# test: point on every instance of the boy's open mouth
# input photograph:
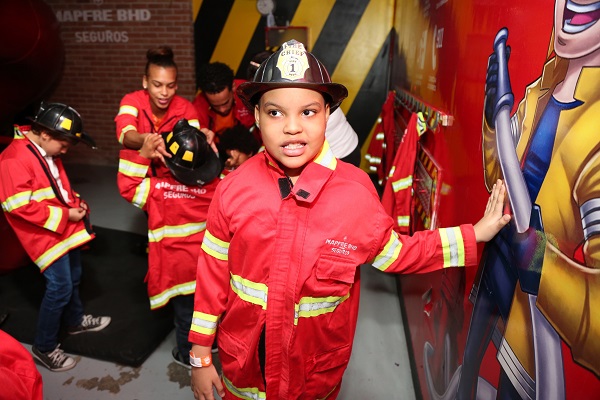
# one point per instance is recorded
(578, 18)
(293, 148)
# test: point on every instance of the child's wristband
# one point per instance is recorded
(200, 362)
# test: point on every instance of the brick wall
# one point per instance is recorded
(105, 50)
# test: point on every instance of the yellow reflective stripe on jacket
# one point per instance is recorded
(43, 194)
(389, 254)
(126, 129)
(141, 193)
(135, 170)
(194, 122)
(15, 201)
(204, 323)
(58, 249)
(23, 198)
(315, 306)
(163, 298)
(453, 247)
(54, 218)
(403, 183)
(125, 109)
(244, 393)
(215, 247)
(252, 292)
(403, 220)
(156, 235)
(326, 157)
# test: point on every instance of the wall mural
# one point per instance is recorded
(537, 291)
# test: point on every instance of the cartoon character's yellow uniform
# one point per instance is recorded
(569, 198)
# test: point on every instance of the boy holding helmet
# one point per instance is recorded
(285, 235)
(51, 221)
(177, 204)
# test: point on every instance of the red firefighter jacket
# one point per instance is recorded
(135, 113)
(398, 191)
(176, 224)
(383, 140)
(34, 205)
(19, 377)
(206, 116)
(285, 259)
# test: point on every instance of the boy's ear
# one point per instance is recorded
(257, 116)
(328, 109)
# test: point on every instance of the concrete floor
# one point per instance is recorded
(379, 367)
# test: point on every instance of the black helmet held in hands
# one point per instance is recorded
(63, 121)
(192, 161)
(292, 66)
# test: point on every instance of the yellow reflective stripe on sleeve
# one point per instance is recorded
(389, 254)
(15, 201)
(59, 249)
(315, 306)
(453, 247)
(163, 298)
(402, 184)
(54, 218)
(392, 171)
(252, 292)
(131, 110)
(126, 129)
(244, 393)
(132, 169)
(156, 235)
(43, 194)
(141, 193)
(195, 123)
(403, 220)
(326, 157)
(215, 247)
(205, 324)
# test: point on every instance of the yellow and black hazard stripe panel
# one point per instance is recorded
(353, 38)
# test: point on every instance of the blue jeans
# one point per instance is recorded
(183, 308)
(61, 300)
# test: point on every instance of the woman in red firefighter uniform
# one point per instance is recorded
(177, 205)
(285, 235)
(51, 222)
(156, 108)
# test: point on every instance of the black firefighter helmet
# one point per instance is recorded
(64, 121)
(292, 66)
(192, 160)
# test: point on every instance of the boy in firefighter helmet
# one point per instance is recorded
(51, 221)
(285, 235)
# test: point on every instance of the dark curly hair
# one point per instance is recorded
(239, 138)
(161, 56)
(215, 77)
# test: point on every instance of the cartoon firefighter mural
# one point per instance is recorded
(539, 280)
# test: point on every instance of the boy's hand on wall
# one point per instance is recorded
(494, 218)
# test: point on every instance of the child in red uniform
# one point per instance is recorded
(285, 235)
(177, 204)
(51, 221)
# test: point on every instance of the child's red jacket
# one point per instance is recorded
(176, 223)
(286, 260)
(34, 205)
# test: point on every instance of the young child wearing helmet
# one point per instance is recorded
(177, 204)
(51, 222)
(285, 235)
